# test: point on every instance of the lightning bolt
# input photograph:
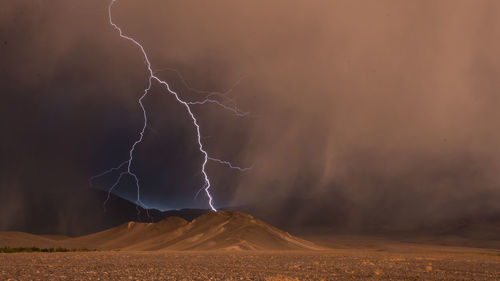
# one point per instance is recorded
(234, 109)
(187, 104)
(229, 164)
(209, 94)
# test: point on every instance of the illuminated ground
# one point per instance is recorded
(237, 246)
(406, 263)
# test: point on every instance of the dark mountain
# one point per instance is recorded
(83, 213)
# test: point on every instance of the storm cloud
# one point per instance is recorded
(380, 111)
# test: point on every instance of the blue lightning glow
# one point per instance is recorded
(152, 77)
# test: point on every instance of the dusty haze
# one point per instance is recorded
(364, 111)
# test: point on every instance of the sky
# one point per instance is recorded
(381, 111)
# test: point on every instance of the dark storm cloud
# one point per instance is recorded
(383, 111)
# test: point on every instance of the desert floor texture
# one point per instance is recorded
(237, 246)
(378, 263)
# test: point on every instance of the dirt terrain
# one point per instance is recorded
(236, 246)
(345, 264)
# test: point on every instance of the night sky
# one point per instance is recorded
(381, 111)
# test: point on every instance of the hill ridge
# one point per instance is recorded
(222, 230)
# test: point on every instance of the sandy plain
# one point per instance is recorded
(236, 246)
(380, 261)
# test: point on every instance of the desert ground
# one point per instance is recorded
(379, 263)
(236, 246)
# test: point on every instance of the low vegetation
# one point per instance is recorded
(41, 250)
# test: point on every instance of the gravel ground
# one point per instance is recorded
(329, 265)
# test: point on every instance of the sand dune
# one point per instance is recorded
(226, 230)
